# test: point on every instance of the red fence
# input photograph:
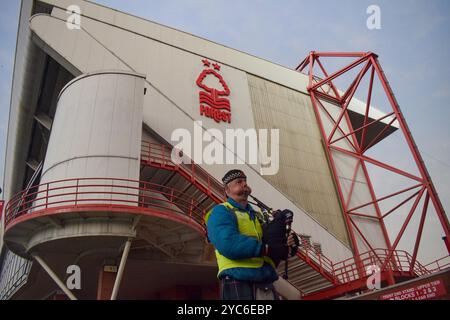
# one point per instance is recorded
(439, 265)
(106, 192)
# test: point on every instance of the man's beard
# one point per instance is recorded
(245, 193)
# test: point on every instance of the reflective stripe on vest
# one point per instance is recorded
(248, 227)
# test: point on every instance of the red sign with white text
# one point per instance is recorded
(213, 101)
(425, 291)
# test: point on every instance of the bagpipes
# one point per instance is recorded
(277, 228)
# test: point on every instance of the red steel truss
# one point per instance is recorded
(324, 96)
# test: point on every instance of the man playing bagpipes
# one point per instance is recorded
(249, 244)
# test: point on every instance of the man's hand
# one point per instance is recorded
(291, 240)
(293, 243)
(276, 252)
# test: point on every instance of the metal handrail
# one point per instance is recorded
(400, 262)
(109, 191)
(29, 184)
(440, 264)
(324, 264)
(161, 154)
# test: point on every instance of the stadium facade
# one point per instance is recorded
(92, 189)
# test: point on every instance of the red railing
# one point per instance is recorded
(159, 155)
(316, 260)
(107, 192)
(348, 270)
(400, 262)
(439, 265)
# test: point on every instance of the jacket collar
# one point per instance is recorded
(239, 206)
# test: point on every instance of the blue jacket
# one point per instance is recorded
(224, 235)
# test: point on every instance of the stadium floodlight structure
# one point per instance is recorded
(347, 142)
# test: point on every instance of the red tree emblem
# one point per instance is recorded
(214, 97)
(211, 96)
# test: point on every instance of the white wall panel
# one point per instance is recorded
(97, 129)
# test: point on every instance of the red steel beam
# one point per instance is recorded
(336, 92)
(350, 193)
(341, 54)
(389, 273)
(379, 163)
(340, 72)
(400, 204)
(386, 197)
(378, 212)
(362, 215)
(364, 127)
(369, 99)
(374, 140)
(419, 233)
(347, 97)
(402, 230)
(336, 178)
(332, 120)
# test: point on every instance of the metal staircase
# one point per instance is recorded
(308, 271)
(304, 277)
(192, 181)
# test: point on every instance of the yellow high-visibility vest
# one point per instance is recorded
(248, 227)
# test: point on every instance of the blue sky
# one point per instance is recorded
(412, 45)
